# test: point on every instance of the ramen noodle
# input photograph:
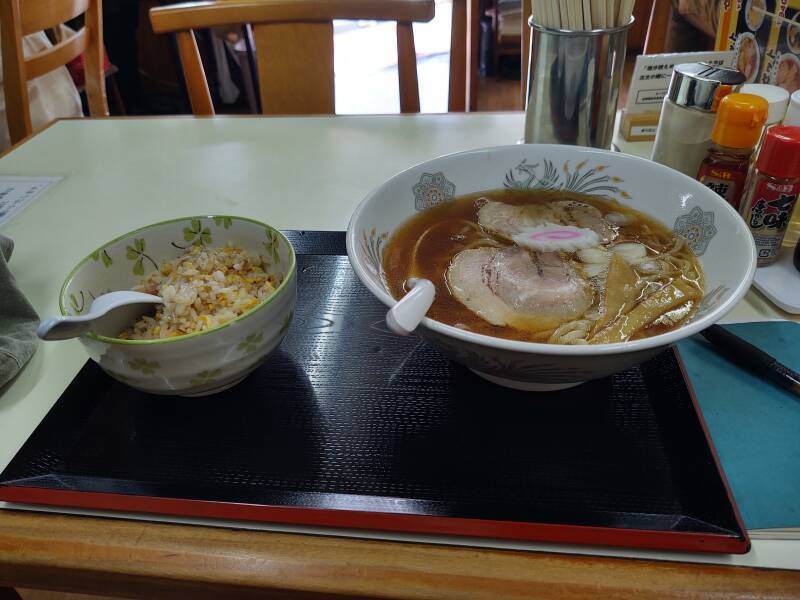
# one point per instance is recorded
(547, 266)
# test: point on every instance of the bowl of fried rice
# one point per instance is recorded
(228, 286)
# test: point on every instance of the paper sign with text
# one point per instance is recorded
(18, 192)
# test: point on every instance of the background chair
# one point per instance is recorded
(18, 19)
(657, 27)
(457, 91)
(294, 47)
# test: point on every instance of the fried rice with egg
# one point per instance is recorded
(202, 289)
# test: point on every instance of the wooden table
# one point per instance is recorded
(302, 173)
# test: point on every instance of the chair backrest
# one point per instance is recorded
(657, 27)
(459, 80)
(294, 46)
(19, 18)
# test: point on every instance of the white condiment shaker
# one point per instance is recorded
(778, 100)
(776, 97)
(793, 111)
(688, 114)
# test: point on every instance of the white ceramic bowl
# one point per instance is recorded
(199, 363)
(713, 229)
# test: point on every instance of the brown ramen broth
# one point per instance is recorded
(631, 279)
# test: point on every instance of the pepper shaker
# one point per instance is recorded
(688, 114)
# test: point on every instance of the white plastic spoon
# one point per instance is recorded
(404, 316)
(108, 315)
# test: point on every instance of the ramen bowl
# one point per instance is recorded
(199, 363)
(713, 230)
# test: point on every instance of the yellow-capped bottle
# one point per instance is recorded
(737, 131)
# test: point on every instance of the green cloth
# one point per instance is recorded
(18, 320)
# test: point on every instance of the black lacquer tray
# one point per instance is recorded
(348, 425)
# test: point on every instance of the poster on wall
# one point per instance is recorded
(765, 35)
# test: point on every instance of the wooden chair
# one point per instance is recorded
(657, 27)
(294, 46)
(457, 92)
(19, 18)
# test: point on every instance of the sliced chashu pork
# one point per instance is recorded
(508, 220)
(514, 287)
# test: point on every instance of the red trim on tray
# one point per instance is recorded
(711, 447)
(407, 523)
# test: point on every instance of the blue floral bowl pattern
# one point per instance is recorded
(712, 229)
(432, 189)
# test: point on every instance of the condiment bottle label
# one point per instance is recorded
(768, 215)
(726, 184)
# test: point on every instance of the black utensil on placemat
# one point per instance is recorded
(746, 355)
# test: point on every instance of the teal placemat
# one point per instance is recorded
(755, 426)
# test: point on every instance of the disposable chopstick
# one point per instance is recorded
(580, 15)
(625, 11)
(566, 13)
(599, 14)
(548, 15)
(555, 12)
(587, 14)
(576, 10)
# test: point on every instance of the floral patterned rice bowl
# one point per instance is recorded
(200, 363)
(711, 227)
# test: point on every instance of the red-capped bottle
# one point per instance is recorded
(797, 256)
(771, 191)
